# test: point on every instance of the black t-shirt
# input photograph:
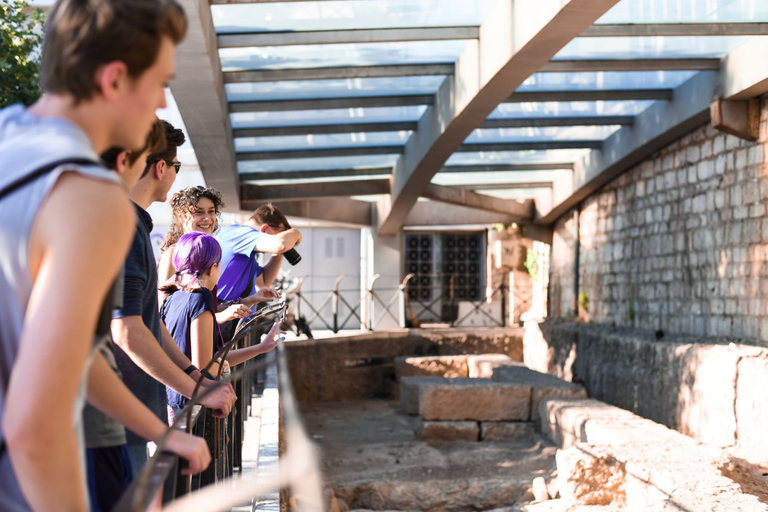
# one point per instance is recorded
(179, 310)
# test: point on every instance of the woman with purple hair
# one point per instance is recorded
(188, 311)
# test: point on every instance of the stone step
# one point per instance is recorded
(615, 458)
(438, 398)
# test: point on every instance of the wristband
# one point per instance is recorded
(189, 369)
(209, 376)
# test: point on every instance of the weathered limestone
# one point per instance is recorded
(447, 431)
(437, 366)
(465, 399)
(494, 430)
(482, 366)
(590, 475)
(542, 385)
(654, 466)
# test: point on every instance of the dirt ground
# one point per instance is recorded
(371, 460)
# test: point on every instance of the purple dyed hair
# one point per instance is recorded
(195, 253)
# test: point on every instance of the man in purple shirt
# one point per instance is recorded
(268, 231)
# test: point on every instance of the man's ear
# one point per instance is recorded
(122, 161)
(112, 79)
(263, 228)
(158, 169)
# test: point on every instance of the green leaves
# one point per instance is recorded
(21, 37)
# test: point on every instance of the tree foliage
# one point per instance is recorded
(21, 36)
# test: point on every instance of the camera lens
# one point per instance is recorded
(293, 256)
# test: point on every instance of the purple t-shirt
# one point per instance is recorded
(239, 268)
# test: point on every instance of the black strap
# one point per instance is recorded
(29, 178)
(32, 176)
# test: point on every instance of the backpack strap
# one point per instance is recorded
(37, 173)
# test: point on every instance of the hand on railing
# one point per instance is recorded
(263, 295)
(233, 312)
(220, 399)
(192, 448)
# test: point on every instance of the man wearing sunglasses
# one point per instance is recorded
(147, 355)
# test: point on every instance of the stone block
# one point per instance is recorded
(470, 399)
(409, 392)
(437, 366)
(493, 430)
(590, 475)
(542, 385)
(751, 407)
(447, 431)
(482, 366)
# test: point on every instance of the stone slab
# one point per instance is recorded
(542, 385)
(569, 421)
(494, 430)
(447, 431)
(473, 399)
(435, 366)
(409, 392)
(482, 366)
(752, 408)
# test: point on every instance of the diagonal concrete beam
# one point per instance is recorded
(516, 41)
(314, 190)
(199, 92)
(340, 210)
(470, 199)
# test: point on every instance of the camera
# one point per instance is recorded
(293, 256)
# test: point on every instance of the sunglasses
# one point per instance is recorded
(175, 165)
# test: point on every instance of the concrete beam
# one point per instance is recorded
(314, 190)
(533, 145)
(744, 72)
(677, 29)
(276, 75)
(245, 156)
(380, 35)
(300, 175)
(199, 93)
(516, 40)
(272, 131)
(536, 122)
(330, 103)
(508, 167)
(337, 210)
(567, 66)
(433, 213)
(460, 197)
(597, 95)
(657, 126)
(504, 186)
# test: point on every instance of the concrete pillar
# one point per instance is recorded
(386, 261)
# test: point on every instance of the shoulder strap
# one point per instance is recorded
(32, 176)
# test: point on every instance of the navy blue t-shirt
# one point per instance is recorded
(179, 310)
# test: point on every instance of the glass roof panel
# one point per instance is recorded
(569, 109)
(345, 88)
(686, 11)
(318, 164)
(487, 135)
(604, 80)
(337, 140)
(332, 55)
(517, 157)
(498, 177)
(513, 193)
(348, 14)
(332, 116)
(650, 47)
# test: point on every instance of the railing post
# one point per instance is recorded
(335, 303)
(503, 305)
(404, 299)
(369, 308)
(298, 298)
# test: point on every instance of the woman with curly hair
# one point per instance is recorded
(198, 209)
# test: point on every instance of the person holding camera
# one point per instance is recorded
(266, 231)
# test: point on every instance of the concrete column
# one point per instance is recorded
(386, 259)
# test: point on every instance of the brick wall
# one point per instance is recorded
(678, 242)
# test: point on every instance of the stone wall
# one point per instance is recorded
(362, 366)
(677, 243)
(711, 392)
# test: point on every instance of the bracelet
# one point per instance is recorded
(209, 376)
(189, 369)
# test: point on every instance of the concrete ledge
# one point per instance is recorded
(496, 430)
(447, 431)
